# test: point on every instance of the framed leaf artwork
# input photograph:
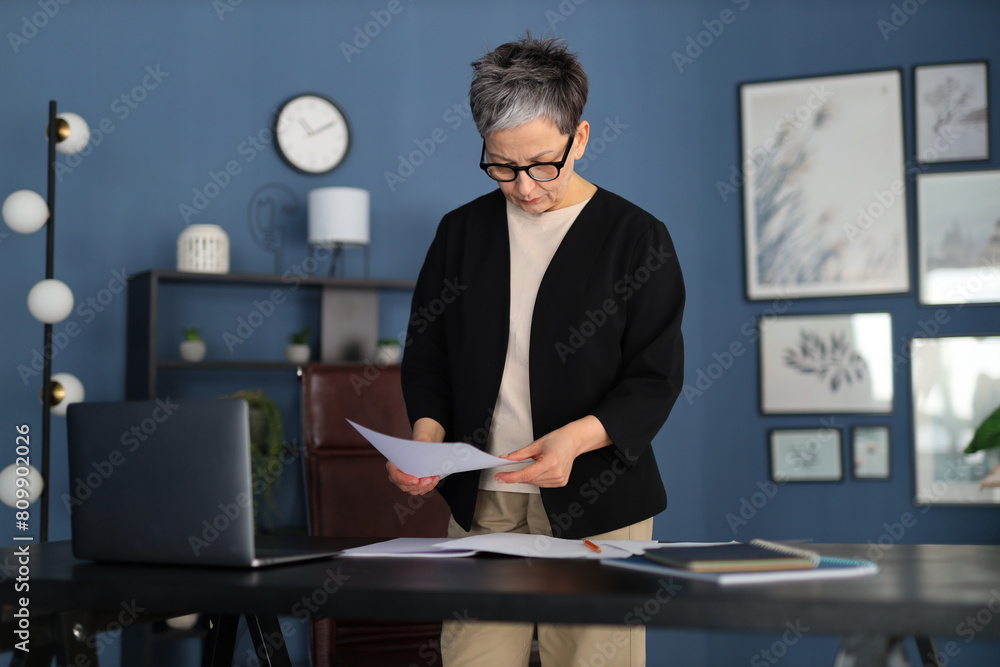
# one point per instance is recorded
(826, 364)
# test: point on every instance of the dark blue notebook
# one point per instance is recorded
(828, 568)
(753, 556)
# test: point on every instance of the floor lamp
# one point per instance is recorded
(50, 301)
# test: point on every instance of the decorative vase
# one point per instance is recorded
(388, 354)
(297, 353)
(192, 350)
(203, 249)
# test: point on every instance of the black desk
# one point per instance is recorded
(925, 590)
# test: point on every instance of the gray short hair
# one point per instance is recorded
(520, 81)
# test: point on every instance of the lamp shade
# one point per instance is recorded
(338, 215)
(25, 211)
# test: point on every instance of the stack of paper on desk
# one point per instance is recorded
(511, 544)
(409, 547)
(617, 553)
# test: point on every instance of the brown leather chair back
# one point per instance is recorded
(350, 495)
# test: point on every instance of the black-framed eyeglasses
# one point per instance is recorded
(539, 171)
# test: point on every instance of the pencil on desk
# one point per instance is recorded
(592, 546)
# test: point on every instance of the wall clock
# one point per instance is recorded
(312, 133)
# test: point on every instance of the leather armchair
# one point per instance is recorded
(349, 495)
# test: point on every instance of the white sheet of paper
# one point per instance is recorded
(634, 547)
(429, 459)
(537, 546)
(513, 544)
(409, 547)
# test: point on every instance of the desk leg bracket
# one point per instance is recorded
(265, 633)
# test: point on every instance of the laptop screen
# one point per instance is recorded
(161, 481)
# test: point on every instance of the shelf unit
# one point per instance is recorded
(348, 321)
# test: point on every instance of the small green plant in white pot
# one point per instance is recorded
(192, 347)
(389, 351)
(298, 351)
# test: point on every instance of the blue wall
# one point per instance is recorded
(221, 74)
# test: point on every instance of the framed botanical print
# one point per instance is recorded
(952, 112)
(824, 192)
(806, 455)
(826, 364)
(870, 451)
(959, 237)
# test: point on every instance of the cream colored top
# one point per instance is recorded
(534, 238)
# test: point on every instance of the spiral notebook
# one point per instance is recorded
(828, 568)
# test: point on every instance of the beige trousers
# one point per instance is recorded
(495, 644)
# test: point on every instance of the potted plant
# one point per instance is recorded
(987, 437)
(389, 351)
(297, 351)
(192, 347)
(266, 447)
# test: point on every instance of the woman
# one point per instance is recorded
(546, 329)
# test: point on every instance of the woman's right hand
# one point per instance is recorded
(415, 486)
(425, 429)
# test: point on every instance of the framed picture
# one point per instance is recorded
(806, 455)
(958, 218)
(826, 364)
(870, 449)
(824, 193)
(956, 385)
(952, 112)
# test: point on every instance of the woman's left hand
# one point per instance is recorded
(555, 452)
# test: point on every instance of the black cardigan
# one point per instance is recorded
(605, 341)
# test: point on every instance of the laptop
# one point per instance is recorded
(167, 481)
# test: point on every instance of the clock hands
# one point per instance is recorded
(310, 131)
(312, 134)
(325, 127)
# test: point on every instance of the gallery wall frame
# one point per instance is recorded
(805, 455)
(951, 112)
(956, 384)
(958, 225)
(870, 451)
(826, 364)
(824, 190)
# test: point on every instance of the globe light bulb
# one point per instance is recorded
(25, 211)
(9, 487)
(66, 389)
(73, 134)
(50, 301)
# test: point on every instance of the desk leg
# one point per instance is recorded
(927, 651)
(268, 641)
(871, 650)
(220, 642)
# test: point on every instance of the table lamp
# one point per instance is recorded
(338, 217)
